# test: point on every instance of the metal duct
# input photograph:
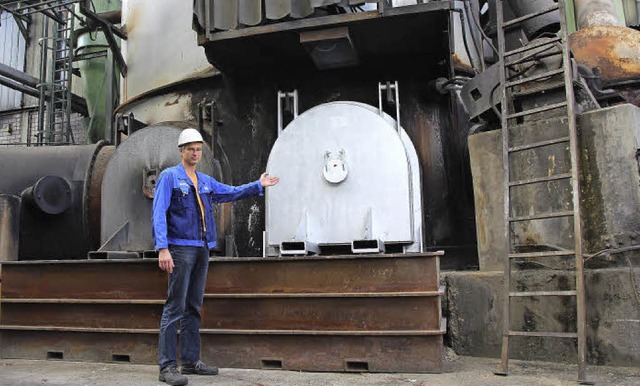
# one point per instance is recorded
(58, 187)
(230, 14)
(591, 13)
(630, 11)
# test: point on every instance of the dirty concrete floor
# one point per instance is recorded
(458, 371)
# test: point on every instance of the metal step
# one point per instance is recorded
(541, 216)
(534, 145)
(537, 110)
(534, 77)
(533, 46)
(525, 255)
(536, 180)
(533, 56)
(538, 89)
(520, 19)
(542, 293)
(541, 333)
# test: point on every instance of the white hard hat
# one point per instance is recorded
(189, 135)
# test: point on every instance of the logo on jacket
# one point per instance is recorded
(184, 187)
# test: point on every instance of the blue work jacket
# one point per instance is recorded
(176, 213)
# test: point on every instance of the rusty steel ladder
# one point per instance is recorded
(509, 122)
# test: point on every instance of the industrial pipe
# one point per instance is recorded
(591, 13)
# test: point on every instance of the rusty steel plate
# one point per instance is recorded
(345, 313)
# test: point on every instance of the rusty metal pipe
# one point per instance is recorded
(591, 13)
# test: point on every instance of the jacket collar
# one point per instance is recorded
(182, 174)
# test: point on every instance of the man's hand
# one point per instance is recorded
(265, 180)
(164, 260)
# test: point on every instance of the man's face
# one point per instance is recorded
(191, 153)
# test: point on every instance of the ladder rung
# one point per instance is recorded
(542, 333)
(544, 87)
(534, 77)
(529, 16)
(543, 293)
(533, 56)
(538, 110)
(541, 216)
(535, 145)
(533, 46)
(541, 179)
(524, 255)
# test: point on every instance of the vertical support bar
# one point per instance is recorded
(388, 87)
(280, 95)
(286, 95)
(506, 323)
(575, 186)
(380, 99)
(201, 116)
(69, 62)
(109, 132)
(294, 94)
(397, 108)
(212, 108)
(43, 80)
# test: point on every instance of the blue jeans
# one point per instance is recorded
(185, 294)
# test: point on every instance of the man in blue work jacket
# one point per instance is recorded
(184, 231)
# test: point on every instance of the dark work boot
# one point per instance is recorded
(172, 376)
(198, 368)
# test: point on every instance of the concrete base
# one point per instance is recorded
(475, 302)
(609, 142)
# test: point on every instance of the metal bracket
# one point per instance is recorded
(391, 98)
(207, 112)
(369, 242)
(300, 244)
(126, 124)
(290, 101)
(335, 167)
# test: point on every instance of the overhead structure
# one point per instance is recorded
(212, 15)
(287, 40)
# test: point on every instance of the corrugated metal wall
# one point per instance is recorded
(12, 53)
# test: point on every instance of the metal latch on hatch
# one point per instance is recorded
(335, 168)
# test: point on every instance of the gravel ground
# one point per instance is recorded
(458, 371)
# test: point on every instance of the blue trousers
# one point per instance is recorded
(185, 294)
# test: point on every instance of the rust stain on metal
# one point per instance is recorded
(95, 193)
(460, 65)
(131, 20)
(613, 50)
(171, 103)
